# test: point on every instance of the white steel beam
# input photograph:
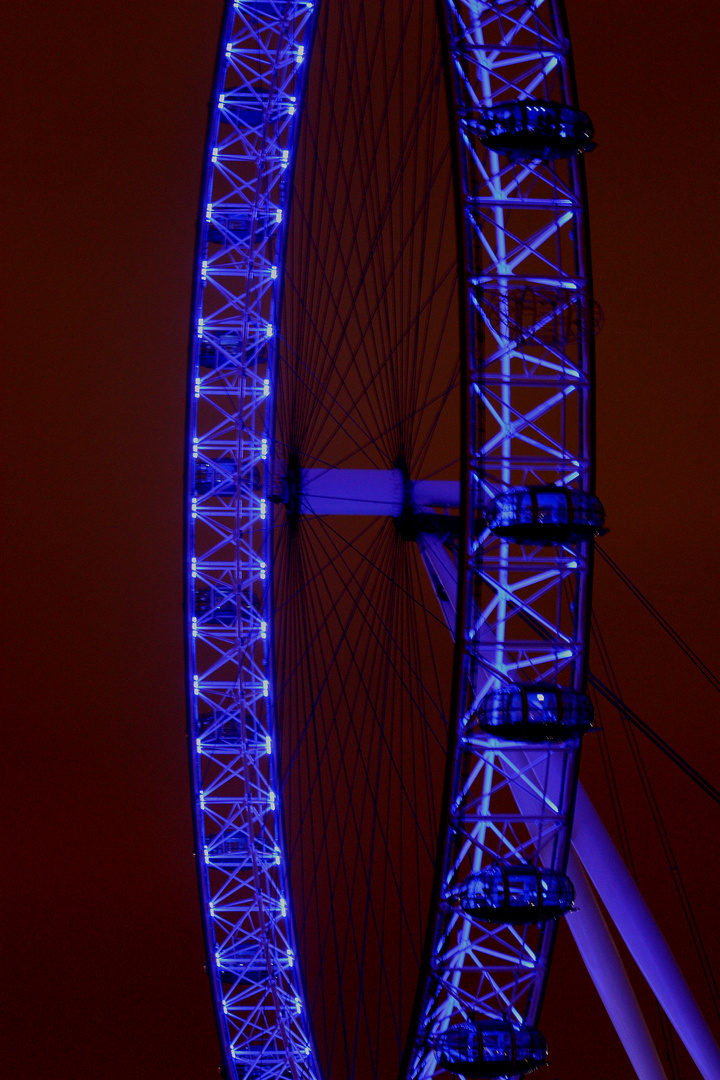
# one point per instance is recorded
(607, 971)
(377, 492)
(641, 934)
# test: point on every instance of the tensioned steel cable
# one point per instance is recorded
(669, 630)
(628, 717)
(688, 912)
(632, 718)
(605, 754)
(654, 738)
(666, 1028)
(368, 374)
(325, 327)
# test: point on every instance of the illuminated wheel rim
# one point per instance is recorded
(337, 655)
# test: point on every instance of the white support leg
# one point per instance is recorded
(641, 934)
(383, 493)
(441, 568)
(607, 971)
(605, 966)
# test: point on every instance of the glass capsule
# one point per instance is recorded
(491, 1048)
(515, 894)
(531, 129)
(545, 515)
(534, 712)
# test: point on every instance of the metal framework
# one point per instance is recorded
(517, 612)
(248, 931)
(530, 355)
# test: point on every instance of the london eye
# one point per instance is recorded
(391, 515)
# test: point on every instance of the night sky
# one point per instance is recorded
(104, 119)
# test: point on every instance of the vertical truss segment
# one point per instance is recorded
(530, 324)
(251, 955)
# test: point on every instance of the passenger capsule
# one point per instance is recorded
(247, 961)
(545, 515)
(218, 728)
(534, 712)
(214, 608)
(241, 227)
(258, 1061)
(231, 848)
(531, 130)
(226, 348)
(516, 894)
(222, 732)
(218, 477)
(491, 1048)
(243, 962)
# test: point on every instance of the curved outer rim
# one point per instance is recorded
(453, 996)
(465, 511)
(270, 479)
(188, 531)
(290, 1034)
(262, 1031)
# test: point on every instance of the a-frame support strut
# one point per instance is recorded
(378, 492)
(641, 934)
(607, 971)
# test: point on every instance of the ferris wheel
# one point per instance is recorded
(391, 514)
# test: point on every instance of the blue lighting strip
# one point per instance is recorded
(529, 330)
(256, 987)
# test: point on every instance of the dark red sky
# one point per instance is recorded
(104, 120)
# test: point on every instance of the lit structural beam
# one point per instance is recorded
(641, 934)
(598, 855)
(387, 493)
(377, 492)
(607, 971)
(605, 967)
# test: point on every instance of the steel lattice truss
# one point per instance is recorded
(530, 356)
(248, 929)
(530, 308)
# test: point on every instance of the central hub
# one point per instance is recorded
(406, 522)
(413, 504)
(288, 492)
